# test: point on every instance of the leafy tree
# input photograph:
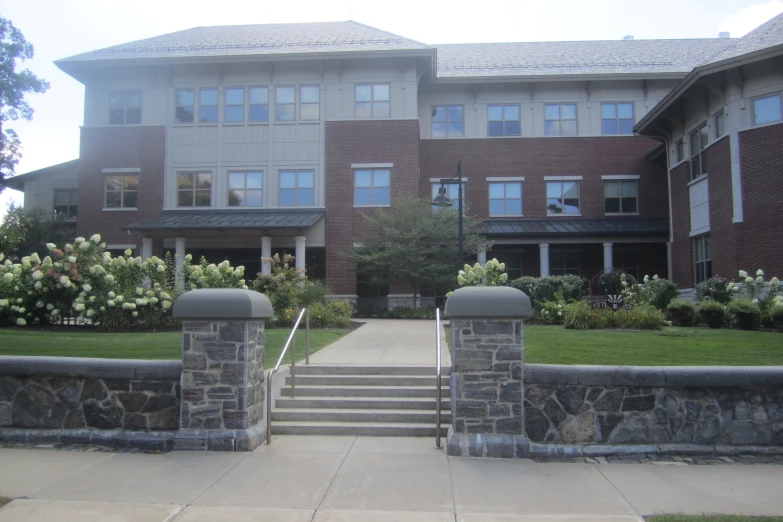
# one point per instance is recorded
(13, 87)
(28, 230)
(413, 244)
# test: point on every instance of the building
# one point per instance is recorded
(238, 142)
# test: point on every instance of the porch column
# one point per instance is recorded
(299, 261)
(146, 248)
(482, 257)
(266, 252)
(179, 260)
(544, 257)
(608, 257)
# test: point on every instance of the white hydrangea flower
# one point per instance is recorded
(743, 274)
(109, 279)
(141, 302)
(759, 279)
(90, 313)
(65, 281)
(748, 279)
(50, 307)
(87, 288)
(129, 252)
(160, 268)
(126, 306)
(139, 290)
(79, 240)
(135, 314)
(646, 279)
(96, 238)
(78, 307)
(188, 257)
(110, 302)
(759, 272)
(21, 322)
(84, 246)
(120, 298)
(655, 277)
(71, 259)
(244, 287)
(149, 293)
(38, 275)
(8, 277)
(774, 281)
(164, 295)
(51, 246)
(166, 305)
(153, 300)
(37, 285)
(35, 258)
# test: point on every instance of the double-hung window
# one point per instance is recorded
(297, 188)
(285, 103)
(125, 108)
(245, 189)
(452, 191)
(620, 197)
(503, 120)
(767, 109)
(309, 102)
(680, 150)
(720, 124)
(66, 203)
(259, 104)
(699, 140)
(562, 197)
(372, 100)
(121, 190)
(617, 118)
(235, 104)
(371, 187)
(208, 105)
(185, 106)
(702, 258)
(447, 121)
(505, 199)
(560, 119)
(194, 189)
(564, 263)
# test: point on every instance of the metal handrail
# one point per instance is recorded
(291, 341)
(437, 376)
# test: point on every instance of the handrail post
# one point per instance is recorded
(307, 336)
(437, 376)
(269, 407)
(293, 364)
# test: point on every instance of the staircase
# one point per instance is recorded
(368, 401)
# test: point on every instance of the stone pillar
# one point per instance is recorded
(222, 381)
(608, 257)
(266, 252)
(146, 248)
(544, 257)
(487, 371)
(482, 257)
(179, 259)
(299, 261)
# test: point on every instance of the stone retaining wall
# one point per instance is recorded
(119, 403)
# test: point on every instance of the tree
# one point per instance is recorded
(25, 231)
(13, 87)
(412, 243)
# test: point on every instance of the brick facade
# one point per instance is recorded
(722, 229)
(682, 256)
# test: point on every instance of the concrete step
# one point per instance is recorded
(365, 429)
(312, 369)
(366, 380)
(306, 390)
(375, 403)
(342, 415)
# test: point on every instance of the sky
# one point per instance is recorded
(62, 28)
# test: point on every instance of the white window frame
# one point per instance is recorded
(763, 97)
(562, 198)
(503, 121)
(226, 105)
(122, 190)
(718, 134)
(278, 104)
(68, 215)
(435, 184)
(250, 104)
(193, 92)
(194, 189)
(618, 118)
(125, 107)
(372, 101)
(245, 189)
(316, 104)
(505, 199)
(296, 188)
(705, 241)
(372, 186)
(216, 106)
(679, 150)
(564, 255)
(448, 131)
(620, 182)
(560, 119)
(698, 131)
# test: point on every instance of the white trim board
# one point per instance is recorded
(506, 178)
(621, 176)
(372, 165)
(562, 178)
(120, 170)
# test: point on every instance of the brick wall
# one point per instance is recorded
(722, 229)
(347, 142)
(114, 147)
(682, 257)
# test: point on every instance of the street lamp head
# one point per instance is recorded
(441, 200)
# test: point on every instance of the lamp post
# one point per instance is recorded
(442, 200)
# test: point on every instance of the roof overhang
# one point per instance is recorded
(575, 227)
(17, 182)
(537, 78)
(248, 221)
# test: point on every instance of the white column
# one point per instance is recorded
(179, 252)
(146, 248)
(299, 260)
(266, 252)
(482, 257)
(608, 257)
(544, 257)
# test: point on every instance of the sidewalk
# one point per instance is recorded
(346, 479)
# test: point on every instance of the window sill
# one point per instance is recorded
(501, 216)
(615, 214)
(563, 215)
(121, 209)
(698, 180)
(126, 124)
(372, 206)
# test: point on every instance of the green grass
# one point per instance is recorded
(159, 345)
(711, 518)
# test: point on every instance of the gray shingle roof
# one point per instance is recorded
(575, 58)
(261, 39)
(766, 35)
(576, 227)
(230, 219)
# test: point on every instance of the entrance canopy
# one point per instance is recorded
(576, 227)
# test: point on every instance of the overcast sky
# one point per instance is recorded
(61, 28)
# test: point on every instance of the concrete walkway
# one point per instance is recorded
(347, 479)
(386, 342)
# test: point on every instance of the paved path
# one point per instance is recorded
(350, 479)
(386, 342)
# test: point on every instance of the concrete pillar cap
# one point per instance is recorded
(490, 302)
(222, 303)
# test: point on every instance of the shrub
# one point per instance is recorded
(615, 282)
(550, 312)
(335, 314)
(657, 292)
(312, 293)
(682, 312)
(644, 317)
(776, 314)
(579, 315)
(542, 289)
(612, 320)
(715, 289)
(406, 312)
(712, 313)
(282, 287)
(744, 313)
(492, 274)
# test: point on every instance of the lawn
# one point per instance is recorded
(165, 345)
(710, 518)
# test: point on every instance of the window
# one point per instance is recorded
(259, 104)
(447, 121)
(297, 188)
(285, 98)
(620, 197)
(125, 108)
(371, 187)
(194, 189)
(309, 102)
(680, 151)
(505, 199)
(617, 118)
(452, 191)
(702, 258)
(627, 261)
(245, 189)
(564, 263)
(560, 119)
(372, 101)
(185, 106)
(562, 197)
(121, 191)
(208, 105)
(66, 203)
(767, 109)
(699, 140)
(720, 124)
(235, 104)
(503, 120)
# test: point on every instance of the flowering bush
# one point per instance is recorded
(544, 288)
(617, 282)
(492, 274)
(644, 317)
(776, 315)
(715, 288)
(657, 292)
(744, 313)
(550, 312)
(579, 315)
(281, 287)
(682, 312)
(712, 313)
